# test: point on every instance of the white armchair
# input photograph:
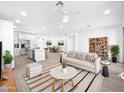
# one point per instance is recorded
(33, 69)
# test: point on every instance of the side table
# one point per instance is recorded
(105, 71)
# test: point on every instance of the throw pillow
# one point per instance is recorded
(70, 54)
(90, 58)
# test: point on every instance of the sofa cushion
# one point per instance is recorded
(73, 61)
(80, 63)
(90, 57)
(87, 64)
(71, 54)
(79, 55)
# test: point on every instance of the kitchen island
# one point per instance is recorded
(36, 54)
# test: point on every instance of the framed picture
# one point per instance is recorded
(48, 43)
(22, 45)
(61, 43)
(16, 45)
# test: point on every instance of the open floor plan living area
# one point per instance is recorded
(61, 46)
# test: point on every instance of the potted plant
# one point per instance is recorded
(114, 52)
(106, 59)
(64, 66)
(7, 59)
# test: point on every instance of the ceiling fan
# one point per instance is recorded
(61, 9)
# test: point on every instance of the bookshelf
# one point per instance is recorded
(99, 46)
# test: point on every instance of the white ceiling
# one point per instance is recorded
(44, 13)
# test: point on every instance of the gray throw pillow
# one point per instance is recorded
(78, 55)
(90, 58)
(70, 54)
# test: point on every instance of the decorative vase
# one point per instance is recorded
(64, 70)
(7, 65)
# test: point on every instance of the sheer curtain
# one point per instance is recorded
(71, 43)
(123, 46)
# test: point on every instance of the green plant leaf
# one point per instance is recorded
(64, 64)
(114, 50)
(7, 57)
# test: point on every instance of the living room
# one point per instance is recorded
(62, 46)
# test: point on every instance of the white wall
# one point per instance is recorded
(7, 35)
(114, 35)
(43, 39)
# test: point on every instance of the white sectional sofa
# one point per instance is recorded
(87, 61)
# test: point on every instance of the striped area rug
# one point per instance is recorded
(84, 81)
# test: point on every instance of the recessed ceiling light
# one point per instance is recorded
(23, 13)
(44, 28)
(37, 31)
(88, 25)
(65, 19)
(32, 32)
(106, 12)
(18, 21)
(15, 26)
(61, 26)
(65, 12)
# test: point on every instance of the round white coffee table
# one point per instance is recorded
(57, 73)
